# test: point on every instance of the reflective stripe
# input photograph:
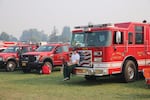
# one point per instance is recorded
(142, 62)
(107, 64)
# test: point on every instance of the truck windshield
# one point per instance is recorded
(101, 38)
(11, 49)
(44, 48)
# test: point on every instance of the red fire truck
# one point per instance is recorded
(5, 44)
(110, 49)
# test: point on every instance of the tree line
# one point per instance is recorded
(6, 37)
(34, 35)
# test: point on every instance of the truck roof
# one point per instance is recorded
(24, 45)
(128, 24)
(56, 44)
(123, 25)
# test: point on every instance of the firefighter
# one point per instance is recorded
(69, 66)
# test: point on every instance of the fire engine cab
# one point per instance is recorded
(110, 49)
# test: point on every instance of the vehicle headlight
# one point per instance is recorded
(1, 59)
(98, 53)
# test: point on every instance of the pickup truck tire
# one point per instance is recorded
(129, 71)
(10, 66)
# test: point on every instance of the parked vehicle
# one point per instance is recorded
(5, 44)
(9, 58)
(50, 55)
(2, 48)
(110, 49)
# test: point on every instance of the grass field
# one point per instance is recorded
(20, 86)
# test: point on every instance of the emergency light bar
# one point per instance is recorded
(98, 25)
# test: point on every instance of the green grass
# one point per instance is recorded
(20, 86)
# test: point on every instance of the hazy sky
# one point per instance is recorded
(19, 15)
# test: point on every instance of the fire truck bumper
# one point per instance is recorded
(31, 65)
(82, 71)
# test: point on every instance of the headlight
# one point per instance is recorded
(1, 59)
(98, 53)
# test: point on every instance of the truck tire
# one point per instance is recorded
(10, 66)
(129, 71)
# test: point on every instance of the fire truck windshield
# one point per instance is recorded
(100, 38)
(44, 48)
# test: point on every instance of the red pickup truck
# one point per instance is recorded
(51, 54)
(9, 58)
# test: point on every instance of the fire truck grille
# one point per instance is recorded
(85, 58)
(29, 58)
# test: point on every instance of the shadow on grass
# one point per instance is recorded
(19, 71)
(106, 80)
(99, 81)
(56, 78)
(33, 71)
(2, 70)
(140, 83)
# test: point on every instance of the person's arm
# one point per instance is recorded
(76, 62)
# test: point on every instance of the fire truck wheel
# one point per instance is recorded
(90, 78)
(10, 66)
(129, 71)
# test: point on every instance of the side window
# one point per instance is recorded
(114, 40)
(16, 49)
(130, 38)
(59, 50)
(139, 35)
(65, 49)
(24, 49)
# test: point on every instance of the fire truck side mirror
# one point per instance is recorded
(118, 37)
